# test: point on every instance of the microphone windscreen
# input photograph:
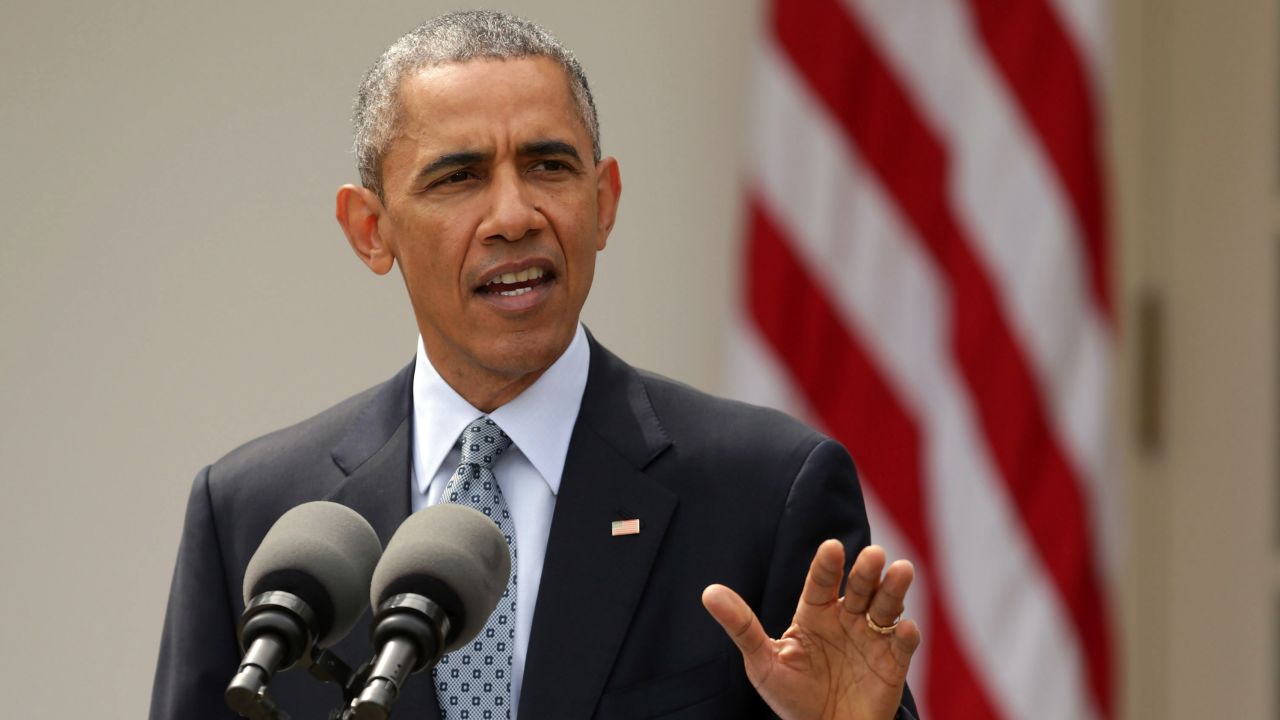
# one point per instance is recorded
(453, 555)
(325, 554)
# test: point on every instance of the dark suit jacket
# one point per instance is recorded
(725, 492)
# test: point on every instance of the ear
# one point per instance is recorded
(358, 212)
(608, 191)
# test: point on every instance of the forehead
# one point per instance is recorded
(482, 102)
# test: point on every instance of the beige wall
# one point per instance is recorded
(171, 284)
(1194, 119)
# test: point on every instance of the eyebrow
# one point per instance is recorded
(545, 148)
(461, 158)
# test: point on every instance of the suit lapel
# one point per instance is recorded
(376, 457)
(591, 581)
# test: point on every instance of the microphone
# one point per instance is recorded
(303, 587)
(439, 580)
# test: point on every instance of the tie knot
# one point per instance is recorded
(483, 442)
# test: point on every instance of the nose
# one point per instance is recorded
(512, 213)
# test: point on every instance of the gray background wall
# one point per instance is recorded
(172, 282)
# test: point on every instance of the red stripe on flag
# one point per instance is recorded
(855, 403)
(846, 72)
(1040, 64)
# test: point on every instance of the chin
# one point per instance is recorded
(520, 354)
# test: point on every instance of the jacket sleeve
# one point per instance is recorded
(198, 649)
(825, 502)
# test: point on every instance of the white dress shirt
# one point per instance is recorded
(539, 422)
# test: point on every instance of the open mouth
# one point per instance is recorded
(514, 284)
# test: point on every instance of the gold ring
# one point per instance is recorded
(882, 629)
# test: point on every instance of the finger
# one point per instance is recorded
(906, 638)
(864, 579)
(735, 616)
(889, 599)
(822, 584)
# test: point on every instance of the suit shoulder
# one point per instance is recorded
(299, 455)
(320, 430)
(732, 427)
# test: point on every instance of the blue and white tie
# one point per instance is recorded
(474, 682)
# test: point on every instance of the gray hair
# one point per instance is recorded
(453, 38)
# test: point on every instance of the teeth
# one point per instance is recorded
(513, 293)
(522, 276)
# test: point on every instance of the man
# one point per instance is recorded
(483, 181)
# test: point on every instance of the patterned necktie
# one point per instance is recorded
(474, 682)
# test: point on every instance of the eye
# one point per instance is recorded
(552, 166)
(456, 177)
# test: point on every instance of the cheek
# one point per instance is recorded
(576, 226)
(431, 257)
(582, 260)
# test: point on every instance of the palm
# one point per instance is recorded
(829, 664)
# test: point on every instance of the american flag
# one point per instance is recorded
(625, 527)
(927, 263)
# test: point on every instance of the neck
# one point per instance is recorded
(489, 380)
(487, 395)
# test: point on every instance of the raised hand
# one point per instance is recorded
(830, 664)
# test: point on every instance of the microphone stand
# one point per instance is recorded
(324, 666)
(262, 707)
(327, 667)
(410, 630)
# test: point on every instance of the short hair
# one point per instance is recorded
(453, 38)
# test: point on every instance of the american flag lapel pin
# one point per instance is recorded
(626, 527)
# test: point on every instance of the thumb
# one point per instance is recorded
(737, 620)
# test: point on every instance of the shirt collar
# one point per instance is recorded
(539, 420)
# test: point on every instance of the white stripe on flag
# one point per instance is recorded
(1087, 23)
(755, 376)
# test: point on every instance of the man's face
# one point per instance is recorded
(494, 210)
